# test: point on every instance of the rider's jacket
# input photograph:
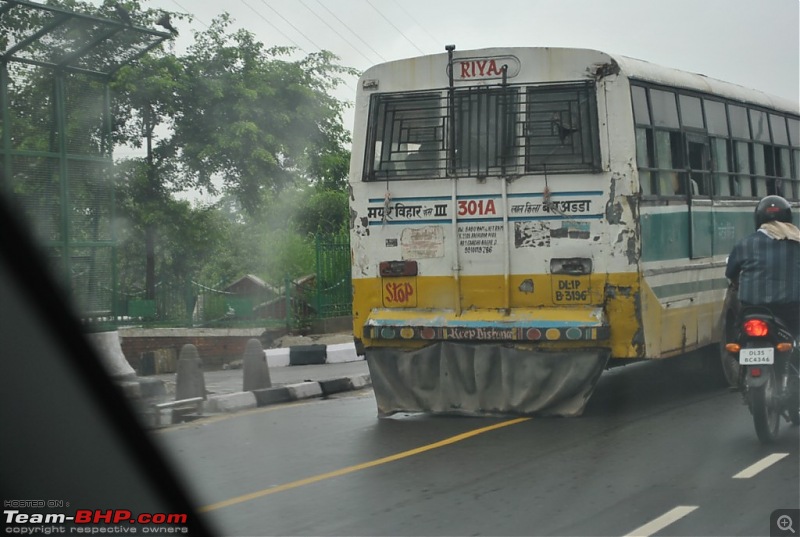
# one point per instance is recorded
(768, 269)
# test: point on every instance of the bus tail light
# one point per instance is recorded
(756, 328)
(575, 266)
(397, 268)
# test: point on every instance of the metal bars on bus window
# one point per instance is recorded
(505, 130)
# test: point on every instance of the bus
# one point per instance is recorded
(524, 218)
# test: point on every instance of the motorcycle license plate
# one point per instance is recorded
(757, 356)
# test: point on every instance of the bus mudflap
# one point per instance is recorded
(483, 379)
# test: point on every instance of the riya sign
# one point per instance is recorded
(485, 68)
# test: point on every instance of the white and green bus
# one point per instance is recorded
(522, 218)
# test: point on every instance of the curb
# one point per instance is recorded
(228, 403)
(312, 354)
(233, 402)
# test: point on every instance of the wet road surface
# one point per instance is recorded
(656, 451)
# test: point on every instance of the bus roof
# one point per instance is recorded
(657, 74)
(630, 67)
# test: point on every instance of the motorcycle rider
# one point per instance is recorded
(766, 264)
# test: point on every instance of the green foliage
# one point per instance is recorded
(257, 121)
(189, 238)
(289, 254)
(323, 212)
(230, 116)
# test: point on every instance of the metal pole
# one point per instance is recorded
(63, 171)
(287, 302)
(5, 181)
(504, 124)
(451, 130)
(451, 172)
(320, 271)
(106, 150)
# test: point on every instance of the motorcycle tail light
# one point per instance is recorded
(733, 348)
(783, 347)
(756, 328)
(755, 371)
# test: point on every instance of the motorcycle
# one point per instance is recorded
(769, 370)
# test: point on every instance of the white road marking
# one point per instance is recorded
(663, 521)
(766, 462)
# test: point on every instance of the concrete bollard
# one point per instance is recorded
(189, 381)
(109, 350)
(255, 369)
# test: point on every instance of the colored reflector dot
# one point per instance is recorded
(574, 333)
(387, 333)
(534, 333)
(553, 333)
(406, 332)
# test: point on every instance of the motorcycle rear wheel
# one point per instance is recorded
(766, 414)
(794, 417)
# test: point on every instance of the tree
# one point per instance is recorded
(323, 211)
(148, 96)
(256, 121)
(190, 238)
(231, 116)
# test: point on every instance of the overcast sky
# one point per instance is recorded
(755, 43)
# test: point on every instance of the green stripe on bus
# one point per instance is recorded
(665, 236)
(676, 289)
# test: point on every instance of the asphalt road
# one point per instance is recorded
(656, 451)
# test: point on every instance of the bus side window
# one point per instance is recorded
(699, 161)
(759, 170)
(720, 165)
(796, 174)
(668, 162)
(645, 160)
(742, 186)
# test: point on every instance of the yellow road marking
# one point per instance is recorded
(358, 467)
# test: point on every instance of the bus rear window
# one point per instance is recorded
(496, 131)
(406, 136)
(562, 130)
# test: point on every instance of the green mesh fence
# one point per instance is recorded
(58, 171)
(334, 289)
(55, 127)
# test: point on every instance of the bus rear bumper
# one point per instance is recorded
(483, 379)
(519, 325)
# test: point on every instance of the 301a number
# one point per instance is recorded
(476, 207)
